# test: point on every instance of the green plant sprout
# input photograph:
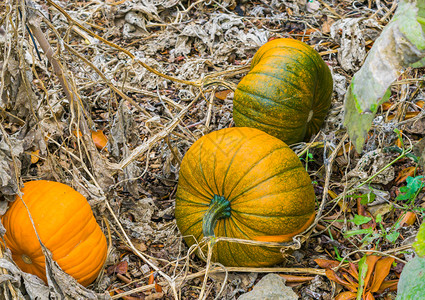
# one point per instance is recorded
(365, 198)
(308, 158)
(338, 256)
(371, 235)
(410, 192)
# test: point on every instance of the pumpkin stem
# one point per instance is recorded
(219, 208)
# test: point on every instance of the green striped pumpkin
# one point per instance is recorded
(246, 184)
(287, 92)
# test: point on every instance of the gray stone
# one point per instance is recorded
(270, 287)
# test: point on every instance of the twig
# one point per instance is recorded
(312, 271)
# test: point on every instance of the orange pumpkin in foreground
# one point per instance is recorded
(243, 183)
(66, 226)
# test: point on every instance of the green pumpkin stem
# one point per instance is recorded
(219, 208)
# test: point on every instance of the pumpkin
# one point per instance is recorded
(66, 226)
(243, 183)
(286, 93)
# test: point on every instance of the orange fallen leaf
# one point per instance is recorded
(403, 174)
(420, 103)
(391, 285)
(99, 139)
(409, 218)
(351, 281)
(352, 270)
(382, 269)
(221, 95)
(369, 296)
(345, 149)
(331, 274)
(35, 156)
(151, 278)
(386, 106)
(296, 279)
(326, 263)
(378, 269)
(370, 261)
(346, 296)
(158, 288)
(411, 114)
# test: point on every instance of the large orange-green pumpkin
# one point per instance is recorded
(66, 226)
(243, 183)
(287, 92)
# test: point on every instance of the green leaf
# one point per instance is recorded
(393, 236)
(367, 198)
(359, 220)
(419, 244)
(409, 192)
(357, 232)
(400, 45)
(412, 281)
(415, 183)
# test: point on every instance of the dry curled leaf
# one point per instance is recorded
(326, 263)
(404, 173)
(408, 218)
(99, 139)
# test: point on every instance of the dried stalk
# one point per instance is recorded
(311, 271)
(152, 140)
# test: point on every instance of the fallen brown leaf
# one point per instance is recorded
(382, 269)
(408, 218)
(296, 279)
(221, 95)
(346, 296)
(403, 174)
(331, 274)
(35, 156)
(326, 263)
(99, 139)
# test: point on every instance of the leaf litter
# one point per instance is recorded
(131, 182)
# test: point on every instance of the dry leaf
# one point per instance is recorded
(369, 296)
(420, 103)
(121, 267)
(411, 114)
(403, 174)
(370, 261)
(99, 139)
(334, 277)
(409, 218)
(346, 296)
(35, 156)
(221, 95)
(326, 263)
(352, 270)
(296, 279)
(386, 106)
(382, 269)
(388, 284)
(346, 148)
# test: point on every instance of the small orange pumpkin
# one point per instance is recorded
(66, 226)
